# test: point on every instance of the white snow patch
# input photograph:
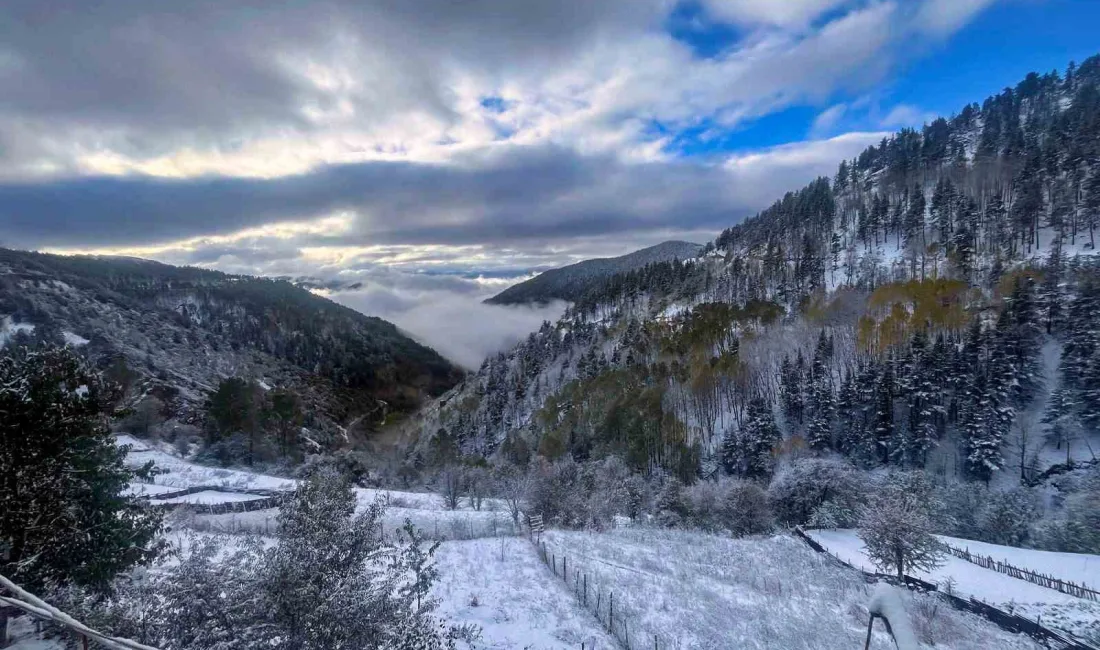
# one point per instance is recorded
(515, 600)
(74, 340)
(886, 602)
(9, 329)
(210, 497)
(147, 489)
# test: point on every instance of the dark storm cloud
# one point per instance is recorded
(523, 194)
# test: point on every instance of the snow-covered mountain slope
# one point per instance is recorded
(895, 314)
(175, 333)
(570, 282)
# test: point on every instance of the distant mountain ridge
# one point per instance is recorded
(570, 282)
(178, 331)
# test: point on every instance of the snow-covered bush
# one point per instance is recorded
(739, 507)
(579, 495)
(747, 509)
(1007, 515)
(350, 464)
(807, 485)
(329, 582)
(962, 503)
(672, 509)
(1076, 529)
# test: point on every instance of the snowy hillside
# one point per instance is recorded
(168, 336)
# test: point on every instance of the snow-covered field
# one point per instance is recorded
(687, 590)
(517, 602)
(148, 489)
(1056, 609)
(182, 473)
(210, 497)
(692, 590)
(1081, 568)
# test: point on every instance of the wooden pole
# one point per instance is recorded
(867, 643)
(586, 590)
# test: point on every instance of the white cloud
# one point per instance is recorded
(458, 326)
(784, 13)
(944, 17)
(827, 119)
(905, 115)
(380, 93)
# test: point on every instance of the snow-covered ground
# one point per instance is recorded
(182, 473)
(148, 489)
(9, 329)
(517, 602)
(1054, 608)
(210, 497)
(74, 339)
(22, 632)
(692, 590)
(1082, 568)
(425, 510)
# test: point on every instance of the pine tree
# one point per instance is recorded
(63, 515)
(1051, 295)
(919, 387)
(819, 434)
(759, 438)
(884, 414)
(850, 416)
(981, 432)
(791, 382)
(1061, 419)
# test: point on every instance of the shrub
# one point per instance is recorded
(805, 486)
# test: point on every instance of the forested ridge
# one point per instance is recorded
(933, 305)
(173, 336)
(569, 282)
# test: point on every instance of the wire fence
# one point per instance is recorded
(1011, 622)
(596, 600)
